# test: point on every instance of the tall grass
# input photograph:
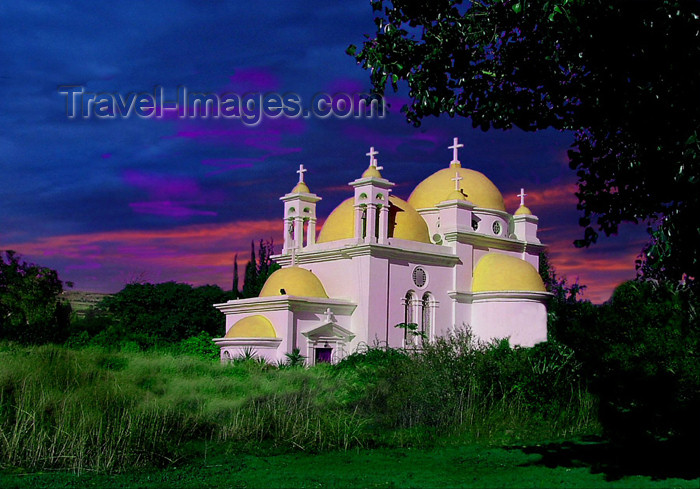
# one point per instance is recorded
(94, 410)
(457, 387)
(98, 410)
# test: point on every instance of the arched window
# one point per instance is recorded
(410, 301)
(427, 316)
(364, 220)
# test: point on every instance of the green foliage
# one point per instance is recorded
(258, 269)
(150, 314)
(641, 352)
(411, 331)
(455, 386)
(295, 358)
(200, 346)
(565, 300)
(94, 410)
(619, 75)
(31, 310)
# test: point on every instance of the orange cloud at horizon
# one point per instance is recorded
(601, 268)
(203, 254)
(564, 194)
(198, 254)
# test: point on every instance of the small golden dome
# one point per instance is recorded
(499, 272)
(456, 195)
(293, 281)
(252, 327)
(371, 171)
(522, 210)
(478, 188)
(301, 188)
(404, 222)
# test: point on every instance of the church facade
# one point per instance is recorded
(383, 271)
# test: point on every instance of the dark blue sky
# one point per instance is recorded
(109, 201)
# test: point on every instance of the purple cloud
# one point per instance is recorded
(167, 208)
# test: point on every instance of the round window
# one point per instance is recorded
(496, 227)
(419, 277)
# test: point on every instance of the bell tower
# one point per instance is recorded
(299, 215)
(372, 204)
(524, 222)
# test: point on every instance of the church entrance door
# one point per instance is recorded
(323, 355)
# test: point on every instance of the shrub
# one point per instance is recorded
(456, 386)
(201, 346)
(641, 353)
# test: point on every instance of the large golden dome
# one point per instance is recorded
(404, 222)
(499, 272)
(476, 186)
(293, 281)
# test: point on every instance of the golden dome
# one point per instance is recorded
(522, 210)
(301, 188)
(404, 222)
(456, 195)
(252, 327)
(371, 171)
(499, 272)
(293, 281)
(478, 189)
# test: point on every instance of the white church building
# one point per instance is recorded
(449, 257)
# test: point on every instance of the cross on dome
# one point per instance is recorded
(455, 151)
(372, 153)
(301, 172)
(456, 179)
(522, 195)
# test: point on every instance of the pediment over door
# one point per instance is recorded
(328, 331)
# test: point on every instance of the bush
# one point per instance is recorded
(641, 354)
(200, 346)
(456, 386)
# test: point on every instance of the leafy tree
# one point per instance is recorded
(166, 312)
(31, 310)
(258, 269)
(641, 352)
(566, 297)
(622, 76)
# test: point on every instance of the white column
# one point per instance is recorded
(288, 235)
(358, 222)
(371, 237)
(298, 232)
(311, 232)
(384, 224)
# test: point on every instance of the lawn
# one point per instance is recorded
(558, 465)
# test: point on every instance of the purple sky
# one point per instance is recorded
(110, 201)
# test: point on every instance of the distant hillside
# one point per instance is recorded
(81, 301)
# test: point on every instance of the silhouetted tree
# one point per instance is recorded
(234, 285)
(259, 268)
(162, 313)
(622, 76)
(31, 310)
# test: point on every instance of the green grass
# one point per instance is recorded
(450, 466)
(445, 418)
(94, 410)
